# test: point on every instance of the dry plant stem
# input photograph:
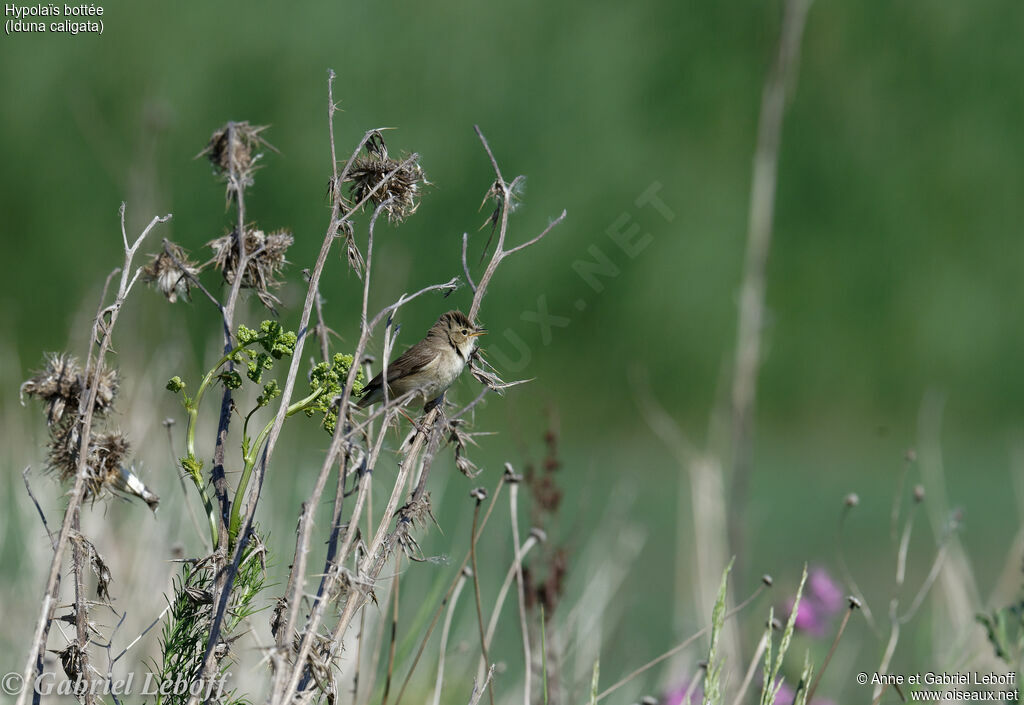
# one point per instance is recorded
(676, 649)
(339, 435)
(86, 408)
(337, 220)
(220, 482)
(317, 613)
(520, 590)
(499, 250)
(848, 575)
(81, 608)
(193, 280)
(476, 591)
(513, 571)
(828, 658)
(478, 692)
(778, 85)
(451, 589)
(376, 557)
(445, 630)
(394, 631)
(896, 621)
(748, 677)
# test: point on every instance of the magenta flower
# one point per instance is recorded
(677, 695)
(786, 695)
(823, 590)
(822, 599)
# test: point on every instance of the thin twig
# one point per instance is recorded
(42, 516)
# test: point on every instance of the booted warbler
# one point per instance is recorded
(430, 366)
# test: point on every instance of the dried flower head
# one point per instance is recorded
(106, 465)
(233, 151)
(265, 256)
(382, 179)
(60, 385)
(170, 272)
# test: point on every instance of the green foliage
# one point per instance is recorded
(326, 382)
(1005, 630)
(231, 379)
(805, 681)
(713, 676)
(186, 631)
(175, 385)
(770, 688)
(257, 365)
(193, 466)
(271, 336)
(271, 391)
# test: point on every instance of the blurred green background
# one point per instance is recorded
(895, 267)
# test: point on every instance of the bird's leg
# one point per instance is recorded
(439, 399)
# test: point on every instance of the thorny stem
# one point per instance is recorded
(78, 557)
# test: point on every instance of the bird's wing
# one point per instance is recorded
(410, 362)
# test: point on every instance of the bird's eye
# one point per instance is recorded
(465, 332)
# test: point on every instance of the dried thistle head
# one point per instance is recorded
(62, 455)
(107, 384)
(106, 463)
(170, 272)
(377, 176)
(265, 257)
(58, 384)
(233, 151)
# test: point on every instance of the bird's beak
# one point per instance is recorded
(478, 331)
